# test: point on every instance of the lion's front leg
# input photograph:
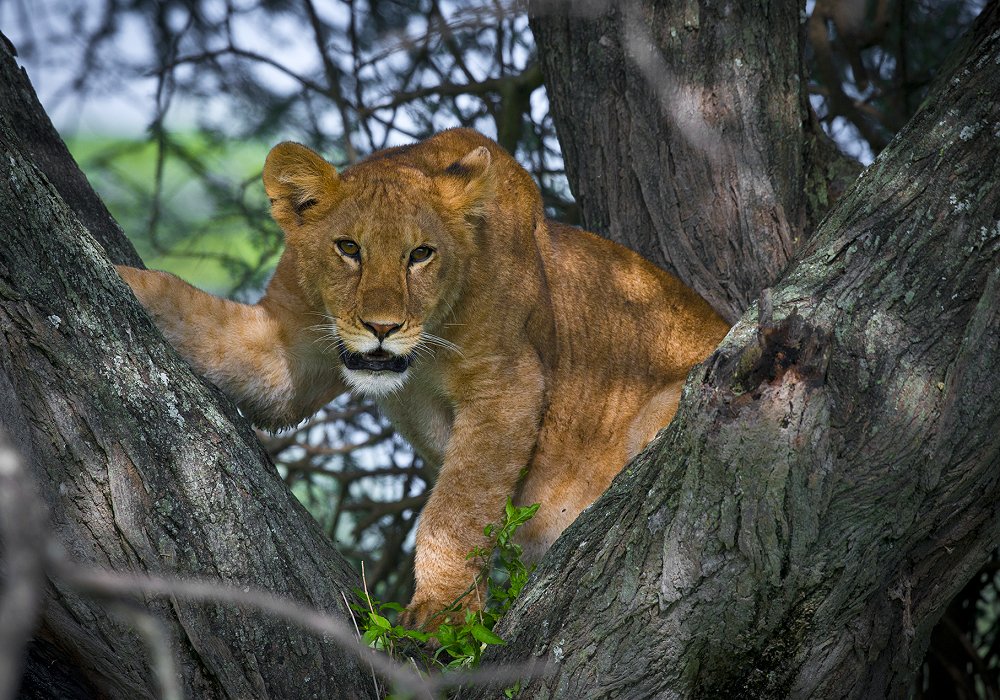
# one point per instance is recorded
(496, 426)
(264, 355)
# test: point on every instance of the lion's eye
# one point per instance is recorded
(420, 254)
(348, 248)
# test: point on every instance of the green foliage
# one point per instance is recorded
(191, 204)
(379, 632)
(460, 641)
(510, 572)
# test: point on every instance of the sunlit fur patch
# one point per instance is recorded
(374, 384)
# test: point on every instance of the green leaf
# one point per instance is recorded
(486, 636)
(379, 621)
(411, 634)
(445, 635)
(510, 692)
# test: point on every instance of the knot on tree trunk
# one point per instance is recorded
(785, 351)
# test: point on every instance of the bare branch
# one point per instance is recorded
(114, 585)
(529, 79)
(334, 77)
(161, 656)
(21, 527)
(206, 56)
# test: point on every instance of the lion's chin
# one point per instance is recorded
(374, 384)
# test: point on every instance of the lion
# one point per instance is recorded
(519, 357)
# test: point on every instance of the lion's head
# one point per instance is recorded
(381, 249)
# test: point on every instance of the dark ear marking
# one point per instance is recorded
(467, 185)
(459, 169)
(299, 183)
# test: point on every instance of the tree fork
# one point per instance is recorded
(830, 481)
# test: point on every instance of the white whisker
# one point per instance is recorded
(437, 341)
(422, 351)
(331, 344)
(328, 334)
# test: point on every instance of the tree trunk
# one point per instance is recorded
(143, 467)
(699, 115)
(830, 481)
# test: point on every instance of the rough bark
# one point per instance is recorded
(831, 480)
(143, 467)
(702, 127)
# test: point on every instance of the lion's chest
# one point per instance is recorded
(423, 415)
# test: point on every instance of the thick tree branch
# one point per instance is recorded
(138, 459)
(679, 141)
(830, 480)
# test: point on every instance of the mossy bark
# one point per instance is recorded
(830, 481)
(142, 465)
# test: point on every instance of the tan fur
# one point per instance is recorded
(568, 351)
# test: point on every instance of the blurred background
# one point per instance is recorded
(171, 105)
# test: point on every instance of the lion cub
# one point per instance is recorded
(428, 278)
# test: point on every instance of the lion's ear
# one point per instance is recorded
(467, 185)
(299, 183)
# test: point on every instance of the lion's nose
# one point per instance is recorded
(381, 330)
